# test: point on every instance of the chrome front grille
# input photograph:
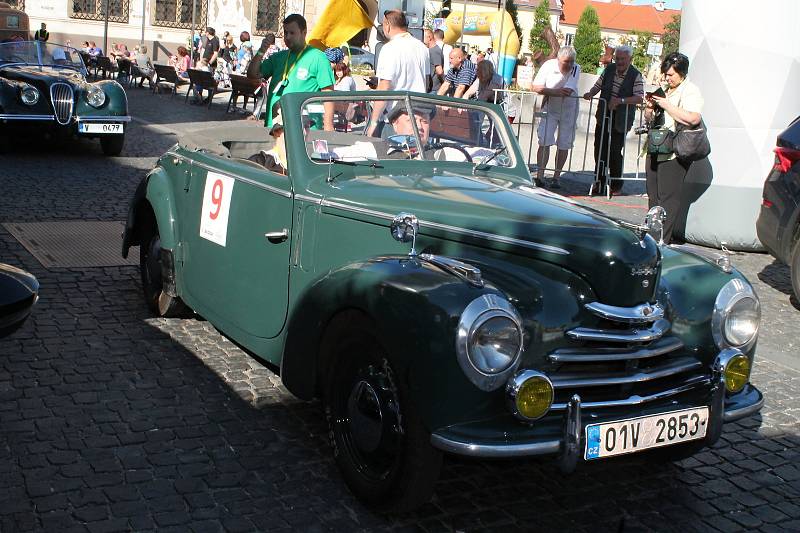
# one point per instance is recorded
(625, 358)
(63, 99)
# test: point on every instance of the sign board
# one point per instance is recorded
(439, 24)
(654, 48)
(525, 77)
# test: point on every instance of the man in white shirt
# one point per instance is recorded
(403, 64)
(557, 80)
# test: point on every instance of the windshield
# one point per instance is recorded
(453, 131)
(39, 54)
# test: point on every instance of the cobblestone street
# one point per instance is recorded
(111, 420)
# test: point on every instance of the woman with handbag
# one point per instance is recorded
(679, 109)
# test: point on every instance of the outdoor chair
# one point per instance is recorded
(123, 69)
(201, 80)
(104, 64)
(137, 74)
(243, 86)
(166, 74)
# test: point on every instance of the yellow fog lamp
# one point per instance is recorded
(737, 373)
(530, 395)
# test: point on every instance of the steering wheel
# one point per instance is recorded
(442, 146)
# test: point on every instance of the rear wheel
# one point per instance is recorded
(159, 302)
(380, 445)
(112, 144)
(794, 269)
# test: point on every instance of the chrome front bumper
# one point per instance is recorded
(52, 118)
(569, 446)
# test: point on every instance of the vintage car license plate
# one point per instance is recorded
(636, 434)
(94, 127)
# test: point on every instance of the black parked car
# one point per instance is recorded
(19, 291)
(778, 224)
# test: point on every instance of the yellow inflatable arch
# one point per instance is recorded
(498, 25)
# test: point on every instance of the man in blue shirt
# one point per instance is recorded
(460, 76)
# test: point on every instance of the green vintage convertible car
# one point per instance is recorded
(435, 300)
(43, 89)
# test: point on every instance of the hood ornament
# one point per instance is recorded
(654, 221)
(405, 228)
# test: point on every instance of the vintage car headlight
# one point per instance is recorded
(95, 96)
(489, 341)
(530, 395)
(29, 95)
(737, 373)
(737, 316)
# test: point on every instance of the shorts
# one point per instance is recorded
(564, 122)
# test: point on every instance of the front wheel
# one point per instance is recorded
(380, 445)
(150, 269)
(112, 144)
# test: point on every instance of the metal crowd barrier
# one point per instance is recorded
(526, 110)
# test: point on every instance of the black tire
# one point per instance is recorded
(112, 144)
(159, 302)
(794, 269)
(386, 460)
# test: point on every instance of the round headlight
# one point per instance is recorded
(737, 373)
(737, 316)
(530, 395)
(29, 95)
(489, 341)
(494, 344)
(95, 96)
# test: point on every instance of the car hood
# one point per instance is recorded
(512, 218)
(42, 74)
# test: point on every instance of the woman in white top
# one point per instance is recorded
(682, 104)
(343, 80)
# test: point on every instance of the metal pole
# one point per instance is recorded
(105, 29)
(463, 20)
(191, 45)
(144, 12)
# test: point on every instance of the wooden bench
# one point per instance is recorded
(166, 74)
(243, 86)
(201, 80)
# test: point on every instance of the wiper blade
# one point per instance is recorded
(362, 162)
(484, 165)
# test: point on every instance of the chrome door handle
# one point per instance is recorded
(277, 236)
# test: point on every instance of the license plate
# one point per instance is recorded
(94, 127)
(644, 432)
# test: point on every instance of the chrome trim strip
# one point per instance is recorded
(454, 229)
(721, 260)
(465, 271)
(656, 331)
(677, 367)
(580, 355)
(494, 450)
(103, 119)
(274, 190)
(27, 117)
(640, 314)
(309, 199)
(639, 400)
(736, 414)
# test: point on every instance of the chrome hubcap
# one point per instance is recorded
(366, 417)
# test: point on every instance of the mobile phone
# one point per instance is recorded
(658, 92)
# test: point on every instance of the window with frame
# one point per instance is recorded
(95, 10)
(178, 13)
(568, 38)
(269, 15)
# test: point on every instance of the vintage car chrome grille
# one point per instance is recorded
(626, 358)
(63, 99)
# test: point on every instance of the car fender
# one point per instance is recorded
(414, 305)
(153, 194)
(116, 100)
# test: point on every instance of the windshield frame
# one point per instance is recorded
(407, 99)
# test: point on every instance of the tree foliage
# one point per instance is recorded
(511, 7)
(672, 36)
(588, 43)
(541, 20)
(639, 42)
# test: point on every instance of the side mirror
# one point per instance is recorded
(405, 228)
(19, 291)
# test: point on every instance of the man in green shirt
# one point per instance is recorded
(301, 68)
